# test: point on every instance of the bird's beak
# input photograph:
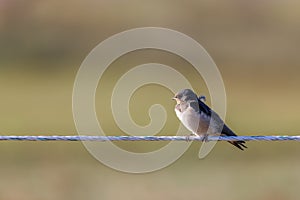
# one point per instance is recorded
(176, 99)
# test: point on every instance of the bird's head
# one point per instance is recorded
(185, 95)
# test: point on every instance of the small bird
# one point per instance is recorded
(199, 118)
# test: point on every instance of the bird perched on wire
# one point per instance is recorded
(200, 119)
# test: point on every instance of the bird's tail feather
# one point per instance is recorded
(228, 132)
(238, 144)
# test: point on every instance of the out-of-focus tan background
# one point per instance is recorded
(255, 44)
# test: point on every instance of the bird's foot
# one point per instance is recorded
(205, 138)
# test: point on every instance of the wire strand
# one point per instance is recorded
(146, 138)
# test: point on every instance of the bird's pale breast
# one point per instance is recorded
(196, 122)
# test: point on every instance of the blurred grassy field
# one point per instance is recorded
(255, 46)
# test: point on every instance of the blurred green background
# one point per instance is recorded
(255, 44)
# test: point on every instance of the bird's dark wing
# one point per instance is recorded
(227, 131)
(204, 108)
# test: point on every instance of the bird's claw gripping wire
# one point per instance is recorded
(205, 138)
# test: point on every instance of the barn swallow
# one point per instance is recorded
(200, 119)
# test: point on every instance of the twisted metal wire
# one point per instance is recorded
(146, 138)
